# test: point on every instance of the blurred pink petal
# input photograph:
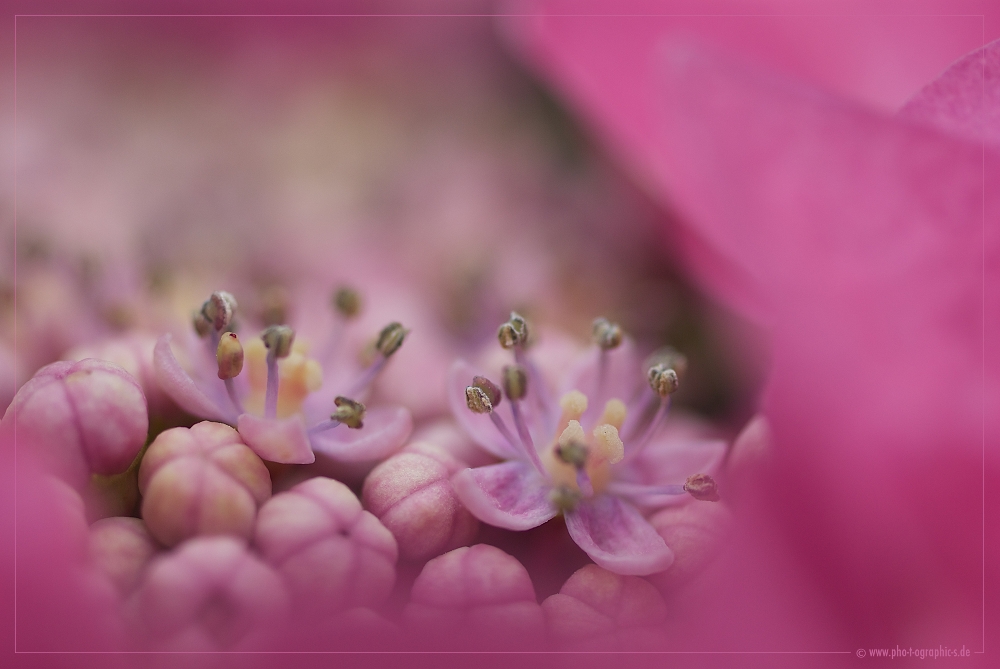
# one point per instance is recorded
(386, 430)
(616, 536)
(182, 389)
(120, 548)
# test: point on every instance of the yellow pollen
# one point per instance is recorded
(609, 444)
(298, 376)
(573, 404)
(573, 434)
(614, 413)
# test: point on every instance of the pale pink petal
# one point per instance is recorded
(616, 536)
(478, 426)
(511, 495)
(385, 431)
(182, 389)
(281, 440)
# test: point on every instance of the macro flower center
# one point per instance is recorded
(578, 460)
(298, 376)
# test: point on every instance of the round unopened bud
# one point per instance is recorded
(514, 332)
(606, 334)
(702, 487)
(477, 400)
(391, 338)
(349, 412)
(515, 382)
(346, 301)
(572, 453)
(278, 340)
(202, 326)
(491, 389)
(219, 309)
(663, 380)
(229, 355)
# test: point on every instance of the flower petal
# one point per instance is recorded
(384, 432)
(181, 388)
(281, 440)
(478, 426)
(616, 536)
(510, 495)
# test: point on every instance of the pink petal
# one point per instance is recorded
(511, 495)
(478, 426)
(281, 440)
(385, 431)
(181, 388)
(965, 100)
(616, 536)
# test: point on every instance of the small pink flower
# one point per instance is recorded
(600, 477)
(333, 555)
(81, 418)
(286, 404)
(210, 593)
(411, 494)
(202, 480)
(599, 610)
(476, 595)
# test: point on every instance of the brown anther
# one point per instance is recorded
(572, 453)
(278, 340)
(346, 301)
(702, 487)
(515, 382)
(477, 400)
(202, 325)
(349, 412)
(219, 309)
(663, 380)
(606, 335)
(514, 332)
(491, 389)
(229, 355)
(670, 357)
(390, 339)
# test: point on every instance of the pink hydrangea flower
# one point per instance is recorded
(599, 456)
(599, 610)
(477, 596)
(202, 480)
(209, 594)
(81, 418)
(411, 494)
(332, 554)
(282, 402)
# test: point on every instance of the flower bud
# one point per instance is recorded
(81, 418)
(606, 335)
(229, 355)
(515, 382)
(120, 548)
(347, 302)
(333, 555)
(411, 494)
(702, 487)
(390, 339)
(219, 310)
(202, 480)
(278, 340)
(349, 412)
(663, 380)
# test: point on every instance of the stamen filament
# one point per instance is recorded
(271, 396)
(583, 481)
(503, 429)
(367, 377)
(602, 375)
(639, 489)
(537, 384)
(654, 425)
(233, 397)
(323, 427)
(526, 442)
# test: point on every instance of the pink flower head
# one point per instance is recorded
(210, 593)
(81, 418)
(599, 610)
(477, 595)
(333, 555)
(598, 456)
(411, 494)
(202, 480)
(286, 404)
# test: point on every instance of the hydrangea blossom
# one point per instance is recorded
(287, 403)
(599, 456)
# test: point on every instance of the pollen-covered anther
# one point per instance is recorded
(346, 301)
(491, 389)
(609, 443)
(278, 339)
(669, 357)
(477, 400)
(615, 412)
(229, 355)
(349, 412)
(606, 335)
(390, 339)
(515, 382)
(571, 446)
(514, 332)
(702, 487)
(663, 380)
(573, 405)
(219, 309)
(202, 326)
